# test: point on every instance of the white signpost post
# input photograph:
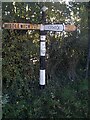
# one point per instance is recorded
(43, 28)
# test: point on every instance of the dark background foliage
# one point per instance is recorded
(66, 92)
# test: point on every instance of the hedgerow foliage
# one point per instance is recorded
(66, 92)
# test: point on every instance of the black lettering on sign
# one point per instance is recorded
(54, 27)
(21, 26)
(28, 26)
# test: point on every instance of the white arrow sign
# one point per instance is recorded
(55, 27)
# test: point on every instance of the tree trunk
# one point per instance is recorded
(72, 68)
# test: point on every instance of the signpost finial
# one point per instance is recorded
(44, 8)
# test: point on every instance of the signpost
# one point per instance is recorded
(43, 28)
(49, 27)
(23, 26)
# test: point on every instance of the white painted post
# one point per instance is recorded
(42, 50)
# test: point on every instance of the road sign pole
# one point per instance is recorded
(42, 50)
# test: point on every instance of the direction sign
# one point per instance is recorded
(60, 27)
(70, 28)
(55, 27)
(21, 26)
(49, 27)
